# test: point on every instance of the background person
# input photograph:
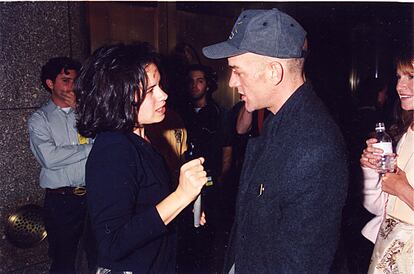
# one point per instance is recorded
(205, 121)
(209, 137)
(130, 200)
(175, 66)
(62, 154)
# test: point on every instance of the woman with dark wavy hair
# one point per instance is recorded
(391, 197)
(129, 200)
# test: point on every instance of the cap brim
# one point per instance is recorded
(221, 50)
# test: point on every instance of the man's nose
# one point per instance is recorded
(232, 81)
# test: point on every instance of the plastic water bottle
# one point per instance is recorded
(191, 154)
(384, 142)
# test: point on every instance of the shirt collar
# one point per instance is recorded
(57, 108)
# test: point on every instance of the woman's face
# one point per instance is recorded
(405, 87)
(152, 108)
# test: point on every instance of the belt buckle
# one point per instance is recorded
(79, 191)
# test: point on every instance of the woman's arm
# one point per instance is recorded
(374, 198)
(113, 185)
(397, 184)
(192, 179)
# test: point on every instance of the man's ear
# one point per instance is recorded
(49, 84)
(276, 72)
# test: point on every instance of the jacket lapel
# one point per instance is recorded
(258, 153)
(264, 152)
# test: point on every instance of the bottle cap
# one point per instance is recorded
(380, 126)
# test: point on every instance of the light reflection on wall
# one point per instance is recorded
(353, 80)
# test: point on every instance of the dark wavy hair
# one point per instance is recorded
(111, 86)
(54, 67)
(209, 74)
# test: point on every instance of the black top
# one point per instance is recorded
(292, 190)
(126, 178)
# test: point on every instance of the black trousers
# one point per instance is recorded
(66, 225)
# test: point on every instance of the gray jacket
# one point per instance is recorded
(292, 189)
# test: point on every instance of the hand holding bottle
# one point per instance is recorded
(374, 157)
(379, 154)
(384, 142)
(370, 155)
(199, 217)
(192, 179)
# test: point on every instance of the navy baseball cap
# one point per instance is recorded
(265, 32)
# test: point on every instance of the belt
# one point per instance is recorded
(67, 190)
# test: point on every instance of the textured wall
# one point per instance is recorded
(30, 34)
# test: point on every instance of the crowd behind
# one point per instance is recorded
(151, 138)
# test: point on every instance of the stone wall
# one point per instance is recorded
(30, 34)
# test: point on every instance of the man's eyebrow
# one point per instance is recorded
(233, 67)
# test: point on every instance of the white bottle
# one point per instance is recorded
(384, 142)
(190, 155)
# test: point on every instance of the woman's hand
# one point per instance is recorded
(192, 179)
(397, 184)
(394, 183)
(203, 218)
(370, 155)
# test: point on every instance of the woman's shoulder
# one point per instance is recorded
(110, 137)
(129, 141)
(112, 148)
(112, 141)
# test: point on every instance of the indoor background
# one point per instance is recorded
(348, 43)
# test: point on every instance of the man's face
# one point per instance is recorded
(197, 85)
(62, 88)
(248, 76)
